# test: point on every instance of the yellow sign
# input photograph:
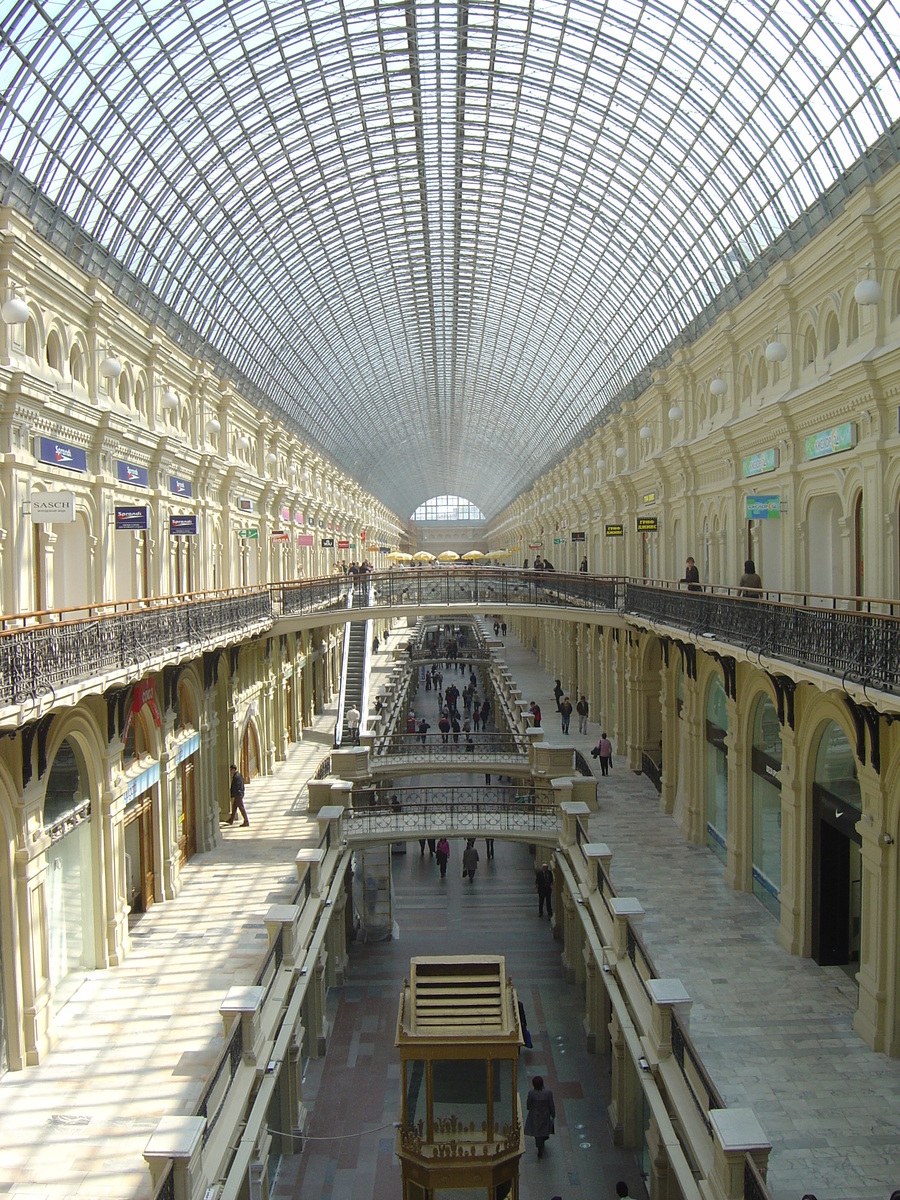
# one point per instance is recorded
(650, 497)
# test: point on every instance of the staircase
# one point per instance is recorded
(352, 683)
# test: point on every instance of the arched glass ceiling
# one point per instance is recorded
(438, 237)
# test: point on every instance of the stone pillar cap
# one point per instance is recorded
(310, 854)
(667, 991)
(333, 812)
(737, 1129)
(175, 1137)
(574, 808)
(596, 850)
(242, 998)
(284, 913)
(626, 906)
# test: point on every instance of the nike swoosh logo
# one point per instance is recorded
(839, 814)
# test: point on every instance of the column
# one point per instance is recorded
(668, 703)
(739, 855)
(111, 811)
(795, 851)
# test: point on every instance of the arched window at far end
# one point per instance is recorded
(448, 508)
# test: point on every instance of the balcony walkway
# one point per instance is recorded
(137, 1043)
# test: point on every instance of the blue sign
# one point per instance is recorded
(762, 508)
(128, 473)
(185, 523)
(58, 454)
(131, 518)
(180, 487)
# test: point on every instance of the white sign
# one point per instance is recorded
(52, 507)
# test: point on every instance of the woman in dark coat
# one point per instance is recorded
(541, 1113)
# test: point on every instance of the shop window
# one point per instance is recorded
(837, 857)
(765, 764)
(135, 744)
(64, 789)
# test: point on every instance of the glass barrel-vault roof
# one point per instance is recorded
(438, 238)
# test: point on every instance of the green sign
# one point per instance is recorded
(646, 525)
(248, 533)
(831, 441)
(615, 531)
(558, 541)
(759, 464)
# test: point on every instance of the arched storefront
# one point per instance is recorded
(837, 857)
(765, 764)
(70, 872)
(142, 854)
(250, 757)
(716, 769)
(186, 774)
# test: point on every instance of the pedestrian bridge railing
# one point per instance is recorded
(456, 816)
(47, 657)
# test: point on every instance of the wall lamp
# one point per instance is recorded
(110, 367)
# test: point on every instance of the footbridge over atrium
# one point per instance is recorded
(49, 660)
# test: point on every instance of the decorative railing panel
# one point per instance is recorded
(862, 647)
(42, 658)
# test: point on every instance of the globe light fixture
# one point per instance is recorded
(110, 367)
(718, 386)
(676, 412)
(14, 311)
(621, 452)
(646, 432)
(213, 427)
(776, 351)
(867, 291)
(169, 400)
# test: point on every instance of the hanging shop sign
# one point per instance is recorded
(649, 497)
(248, 533)
(127, 472)
(760, 463)
(305, 539)
(278, 535)
(559, 541)
(578, 537)
(343, 544)
(59, 454)
(647, 524)
(144, 693)
(535, 545)
(180, 487)
(615, 530)
(131, 516)
(362, 535)
(384, 549)
(183, 524)
(286, 515)
(831, 441)
(52, 508)
(298, 518)
(245, 505)
(762, 508)
(327, 543)
(142, 783)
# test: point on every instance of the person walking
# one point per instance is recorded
(237, 796)
(541, 1107)
(582, 709)
(565, 712)
(557, 694)
(442, 854)
(583, 567)
(604, 753)
(691, 576)
(750, 585)
(470, 860)
(544, 885)
(489, 847)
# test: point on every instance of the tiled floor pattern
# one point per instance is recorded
(137, 1042)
